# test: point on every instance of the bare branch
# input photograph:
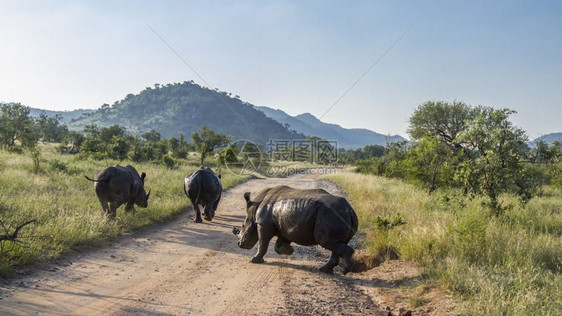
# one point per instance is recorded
(12, 237)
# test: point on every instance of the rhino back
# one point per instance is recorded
(118, 186)
(304, 216)
(295, 219)
(203, 186)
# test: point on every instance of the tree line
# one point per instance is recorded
(20, 132)
(475, 148)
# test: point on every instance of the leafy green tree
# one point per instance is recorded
(179, 147)
(427, 163)
(206, 141)
(373, 151)
(152, 136)
(107, 133)
(50, 129)
(556, 171)
(91, 131)
(441, 119)
(228, 155)
(16, 125)
(72, 143)
(545, 153)
(93, 147)
(119, 147)
(498, 147)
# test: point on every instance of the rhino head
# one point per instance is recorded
(141, 196)
(248, 234)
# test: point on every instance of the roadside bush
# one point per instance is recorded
(498, 265)
(169, 162)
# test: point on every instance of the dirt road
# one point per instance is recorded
(184, 268)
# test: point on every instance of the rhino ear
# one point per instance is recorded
(143, 175)
(247, 197)
(219, 176)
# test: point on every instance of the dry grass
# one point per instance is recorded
(509, 265)
(66, 208)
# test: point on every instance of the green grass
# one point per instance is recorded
(496, 265)
(68, 213)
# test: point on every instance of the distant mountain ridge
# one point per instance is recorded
(182, 108)
(549, 138)
(308, 124)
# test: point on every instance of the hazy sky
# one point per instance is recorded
(298, 56)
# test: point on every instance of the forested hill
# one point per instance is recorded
(182, 108)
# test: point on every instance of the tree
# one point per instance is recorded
(107, 133)
(91, 131)
(498, 148)
(16, 125)
(427, 162)
(72, 143)
(152, 136)
(228, 155)
(50, 129)
(373, 151)
(119, 147)
(441, 119)
(206, 141)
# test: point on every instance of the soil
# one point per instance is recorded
(185, 268)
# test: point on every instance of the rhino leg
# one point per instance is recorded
(329, 266)
(265, 233)
(197, 218)
(105, 207)
(209, 213)
(283, 246)
(215, 205)
(342, 250)
(130, 207)
(113, 209)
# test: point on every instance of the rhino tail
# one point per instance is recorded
(354, 222)
(98, 180)
(198, 189)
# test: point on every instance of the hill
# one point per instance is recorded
(309, 125)
(67, 116)
(181, 108)
(549, 138)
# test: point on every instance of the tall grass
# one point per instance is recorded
(66, 208)
(509, 265)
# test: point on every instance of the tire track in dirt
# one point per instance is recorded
(191, 269)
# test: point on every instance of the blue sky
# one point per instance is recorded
(298, 56)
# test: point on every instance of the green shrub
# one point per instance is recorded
(507, 265)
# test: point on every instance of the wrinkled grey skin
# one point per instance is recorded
(203, 187)
(118, 185)
(305, 217)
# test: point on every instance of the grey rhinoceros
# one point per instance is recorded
(305, 217)
(117, 185)
(203, 187)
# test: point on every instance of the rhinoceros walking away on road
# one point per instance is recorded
(203, 187)
(117, 185)
(305, 217)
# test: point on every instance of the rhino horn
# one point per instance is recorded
(235, 231)
(148, 195)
